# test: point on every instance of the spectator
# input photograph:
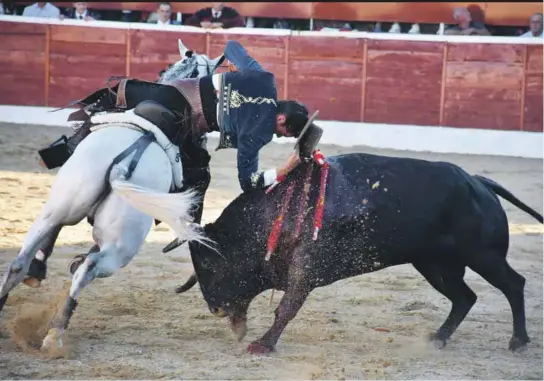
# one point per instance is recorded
(42, 9)
(7, 8)
(163, 15)
(535, 26)
(281, 24)
(218, 16)
(465, 26)
(81, 12)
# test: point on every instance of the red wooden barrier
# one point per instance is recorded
(378, 79)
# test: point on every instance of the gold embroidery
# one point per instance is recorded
(237, 100)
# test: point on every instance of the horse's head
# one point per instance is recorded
(191, 65)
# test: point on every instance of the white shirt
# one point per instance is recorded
(80, 16)
(163, 23)
(216, 14)
(48, 11)
(530, 34)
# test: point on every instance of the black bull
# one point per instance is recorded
(379, 212)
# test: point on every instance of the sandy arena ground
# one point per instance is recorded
(133, 325)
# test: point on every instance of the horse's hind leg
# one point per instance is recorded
(494, 268)
(120, 231)
(38, 267)
(448, 280)
(46, 224)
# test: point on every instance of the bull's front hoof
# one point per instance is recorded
(436, 341)
(518, 345)
(259, 349)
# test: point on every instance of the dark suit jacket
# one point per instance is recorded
(229, 17)
(250, 120)
(71, 14)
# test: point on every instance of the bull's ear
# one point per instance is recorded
(182, 49)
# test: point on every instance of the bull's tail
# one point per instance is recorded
(507, 195)
(174, 209)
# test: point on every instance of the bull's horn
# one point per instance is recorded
(187, 285)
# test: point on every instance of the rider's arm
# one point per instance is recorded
(236, 54)
(249, 175)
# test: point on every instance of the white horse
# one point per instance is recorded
(96, 182)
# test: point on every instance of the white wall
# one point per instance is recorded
(348, 134)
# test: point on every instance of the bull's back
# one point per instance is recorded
(382, 211)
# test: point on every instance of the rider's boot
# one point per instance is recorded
(60, 151)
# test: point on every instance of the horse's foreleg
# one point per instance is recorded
(43, 227)
(38, 267)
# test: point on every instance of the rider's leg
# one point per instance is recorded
(135, 92)
(196, 176)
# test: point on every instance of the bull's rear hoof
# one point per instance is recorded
(259, 349)
(436, 341)
(518, 345)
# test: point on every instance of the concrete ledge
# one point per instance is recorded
(347, 134)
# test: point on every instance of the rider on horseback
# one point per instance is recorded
(241, 105)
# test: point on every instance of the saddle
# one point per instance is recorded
(180, 97)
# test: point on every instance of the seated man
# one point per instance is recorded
(465, 26)
(42, 9)
(535, 26)
(81, 11)
(241, 105)
(218, 16)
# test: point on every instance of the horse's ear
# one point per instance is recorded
(182, 49)
(217, 60)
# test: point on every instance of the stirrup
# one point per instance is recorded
(172, 245)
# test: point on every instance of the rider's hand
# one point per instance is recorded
(205, 24)
(292, 161)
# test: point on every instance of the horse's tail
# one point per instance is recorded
(171, 208)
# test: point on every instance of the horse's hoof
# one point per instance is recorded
(518, 345)
(76, 262)
(52, 340)
(32, 282)
(258, 349)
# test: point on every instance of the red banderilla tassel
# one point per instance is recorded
(318, 218)
(276, 228)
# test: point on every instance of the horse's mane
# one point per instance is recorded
(181, 69)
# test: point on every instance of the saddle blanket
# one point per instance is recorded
(129, 119)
